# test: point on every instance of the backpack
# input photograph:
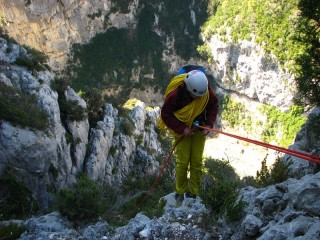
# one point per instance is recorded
(188, 68)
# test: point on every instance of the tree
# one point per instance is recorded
(308, 69)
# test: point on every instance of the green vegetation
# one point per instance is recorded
(308, 62)
(70, 110)
(147, 202)
(233, 112)
(271, 21)
(11, 231)
(221, 189)
(16, 199)
(21, 109)
(277, 173)
(127, 126)
(279, 127)
(112, 57)
(221, 186)
(287, 123)
(313, 129)
(36, 60)
(86, 200)
(288, 30)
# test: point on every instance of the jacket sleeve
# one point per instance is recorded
(212, 108)
(168, 108)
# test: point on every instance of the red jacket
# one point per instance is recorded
(178, 99)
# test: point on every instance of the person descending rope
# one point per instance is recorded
(188, 98)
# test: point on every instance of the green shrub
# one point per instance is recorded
(21, 109)
(70, 110)
(221, 189)
(277, 173)
(95, 104)
(36, 61)
(280, 127)
(16, 199)
(11, 231)
(233, 112)
(84, 201)
(127, 126)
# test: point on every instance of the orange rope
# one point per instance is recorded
(159, 175)
(291, 152)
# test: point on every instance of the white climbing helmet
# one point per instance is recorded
(197, 83)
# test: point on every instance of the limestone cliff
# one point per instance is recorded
(55, 156)
(53, 26)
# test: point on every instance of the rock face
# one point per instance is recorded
(56, 156)
(53, 26)
(288, 210)
(244, 68)
(32, 153)
(110, 141)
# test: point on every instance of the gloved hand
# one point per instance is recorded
(188, 131)
(206, 131)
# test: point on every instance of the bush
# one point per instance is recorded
(221, 189)
(16, 199)
(36, 61)
(21, 109)
(84, 201)
(127, 126)
(277, 173)
(145, 202)
(11, 231)
(70, 110)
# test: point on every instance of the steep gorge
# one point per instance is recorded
(109, 151)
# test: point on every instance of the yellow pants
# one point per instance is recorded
(189, 153)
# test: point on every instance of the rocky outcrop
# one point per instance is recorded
(115, 152)
(55, 157)
(245, 69)
(288, 210)
(178, 222)
(33, 153)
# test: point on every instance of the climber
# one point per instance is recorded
(188, 98)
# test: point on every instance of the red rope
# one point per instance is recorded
(159, 175)
(291, 152)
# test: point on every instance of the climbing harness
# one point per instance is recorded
(302, 155)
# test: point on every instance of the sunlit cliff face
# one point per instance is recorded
(54, 26)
